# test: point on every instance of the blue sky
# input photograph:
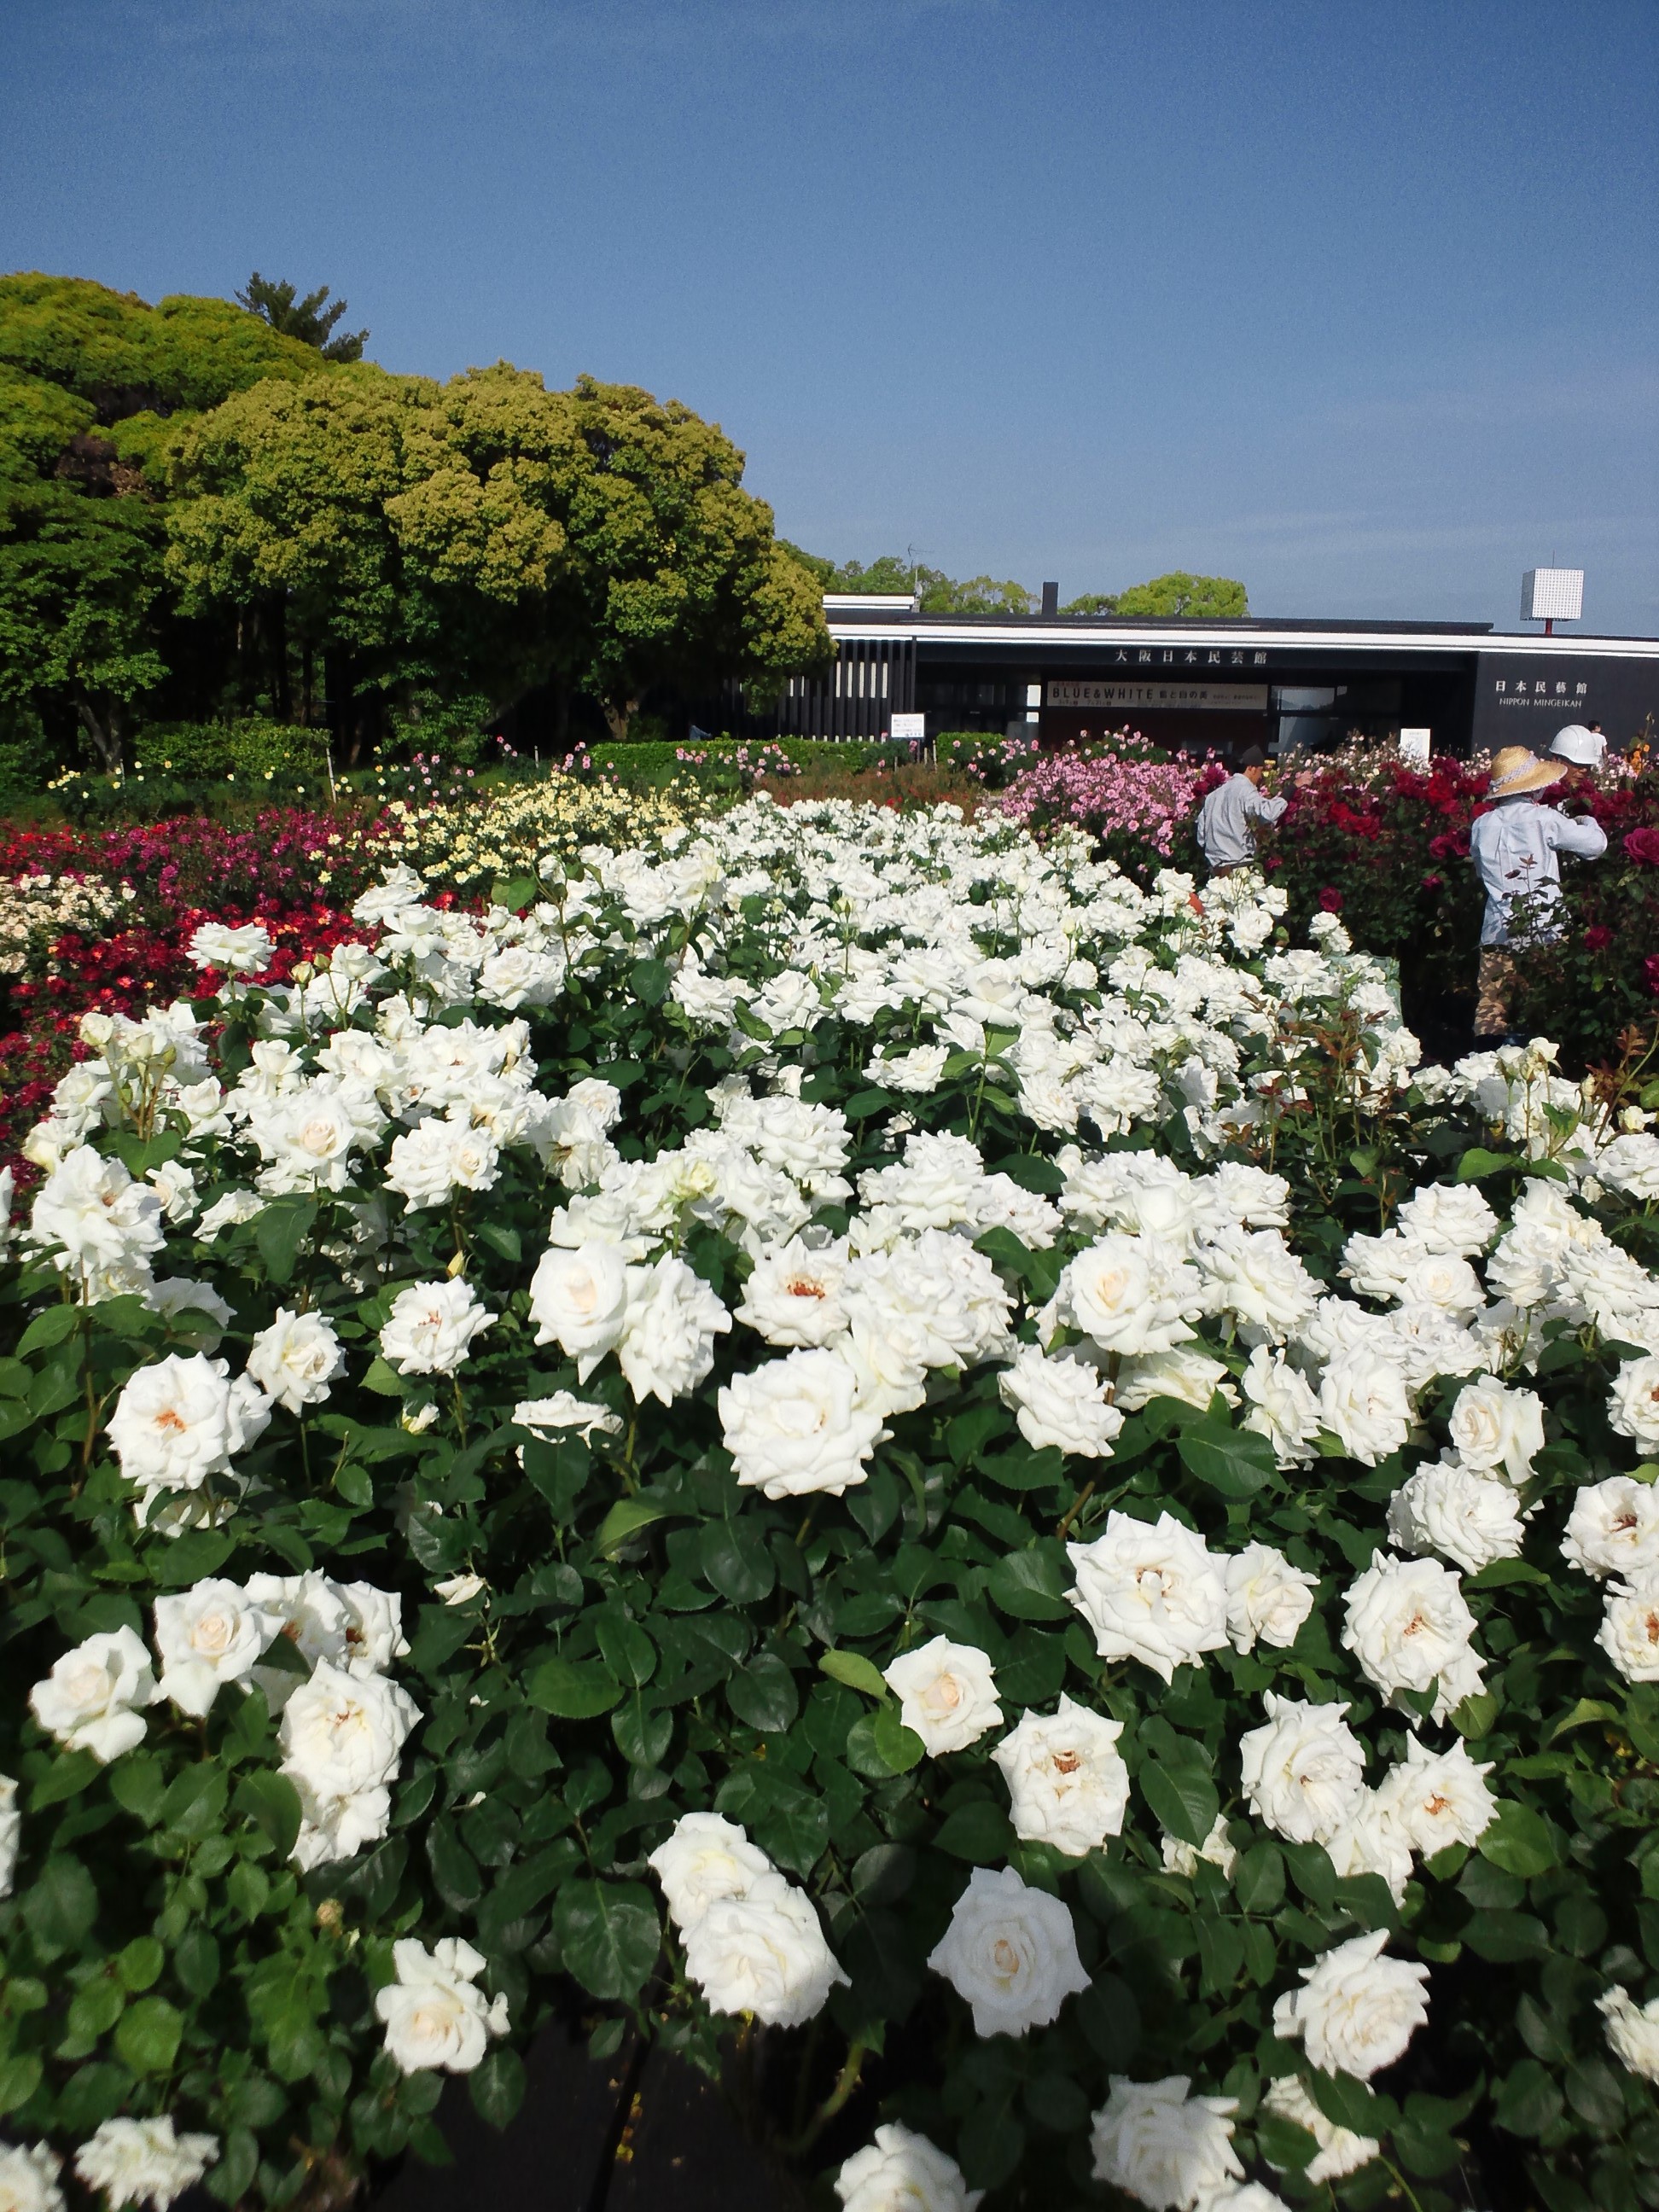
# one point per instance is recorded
(1361, 304)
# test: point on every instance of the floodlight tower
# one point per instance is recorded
(1552, 595)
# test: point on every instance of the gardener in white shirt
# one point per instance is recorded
(1514, 847)
(1224, 835)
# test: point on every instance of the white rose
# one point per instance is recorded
(135, 2161)
(1438, 1797)
(430, 1328)
(1358, 2010)
(1407, 1624)
(1629, 1633)
(374, 1627)
(667, 1343)
(1011, 1952)
(763, 1953)
(578, 1300)
(1341, 2152)
(547, 1416)
(919, 1070)
(1252, 1275)
(706, 1858)
(793, 1295)
(1452, 1508)
(91, 1700)
(1447, 1217)
(459, 1589)
(1185, 1374)
(205, 1637)
(947, 1695)
(295, 1359)
(1162, 2147)
(1282, 1406)
(333, 1829)
(11, 1833)
(1632, 2030)
(1613, 1528)
(1217, 1850)
(1130, 1294)
(1633, 1401)
(902, 2171)
(1494, 1428)
(792, 1427)
(174, 1424)
(1267, 1598)
(1363, 1402)
(311, 1616)
(435, 2013)
(92, 1210)
(1370, 1842)
(1150, 1591)
(235, 951)
(1250, 2196)
(343, 1732)
(1304, 1771)
(1061, 1402)
(1068, 1786)
(28, 2179)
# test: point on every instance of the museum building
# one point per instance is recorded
(1069, 678)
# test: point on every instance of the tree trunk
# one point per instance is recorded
(307, 673)
(282, 695)
(105, 735)
(618, 714)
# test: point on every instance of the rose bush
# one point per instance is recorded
(898, 1587)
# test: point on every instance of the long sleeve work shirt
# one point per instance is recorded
(1515, 850)
(1224, 835)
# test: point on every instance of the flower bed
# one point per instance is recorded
(939, 1479)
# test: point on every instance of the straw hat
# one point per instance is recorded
(1516, 769)
(1581, 747)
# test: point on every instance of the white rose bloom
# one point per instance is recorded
(1613, 1528)
(947, 1695)
(1267, 1598)
(1011, 1952)
(92, 1698)
(374, 1627)
(920, 1070)
(1131, 1295)
(902, 2171)
(143, 2161)
(667, 1344)
(792, 1427)
(1630, 1164)
(793, 1295)
(1150, 1591)
(205, 1637)
(1061, 1402)
(1370, 1842)
(311, 1616)
(1162, 2147)
(1452, 1508)
(547, 1416)
(435, 2013)
(1409, 1625)
(93, 1209)
(1341, 2152)
(578, 1300)
(431, 1326)
(1217, 1850)
(229, 1212)
(888, 1358)
(705, 1859)
(1633, 1401)
(28, 2179)
(1253, 1275)
(1629, 1633)
(1363, 1402)
(333, 1829)
(1357, 2010)
(1632, 2030)
(763, 1953)
(1068, 1786)
(1438, 1797)
(1498, 1430)
(343, 1734)
(1184, 1373)
(11, 1836)
(459, 1589)
(422, 1164)
(1304, 1771)
(242, 951)
(1449, 1217)
(175, 1422)
(1282, 1406)
(295, 1359)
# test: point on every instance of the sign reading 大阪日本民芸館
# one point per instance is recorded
(1211, 698)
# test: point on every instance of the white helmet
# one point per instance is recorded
(1583, 747)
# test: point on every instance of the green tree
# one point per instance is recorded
(1091, 603)
(308, 319)
(1192, 599)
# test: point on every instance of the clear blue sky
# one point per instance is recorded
(1360, 304)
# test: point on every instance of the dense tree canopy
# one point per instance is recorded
(1194, 598)
(310, 320)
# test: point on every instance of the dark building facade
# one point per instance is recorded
(1221, 685)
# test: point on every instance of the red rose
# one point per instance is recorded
(1330, 899)
(1650, 967)
(1597, 938)
(1643, 845)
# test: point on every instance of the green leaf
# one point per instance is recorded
(61, 1905)
(502, 1240)
(1235, 1461)
(1259, 1878)
(609, 1935)
(147, 2035)
(272, 1802)
(1528, 2101)
(627, 1650)
(1030, 1585)
(642, 1736)
(279, 1232)
(48, 1329)
(1031, 1172)
(625, 1519)
(978, 1832)
(68, 1774)
(1519, 1840)
(1110, 2018)
(140, 1964)
(196, 1961)
(900, 1746)
(736, 1562)
(763, 1692)
(1345, 2100)
(574, 1690)
(1182, 1798)
(1587, 1712)
(649, 981)
(496, 2086)
(857, 1672)
(1477, 1163)
(20, 2077)
(460, 1884)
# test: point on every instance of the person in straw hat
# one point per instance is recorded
(1514, 847)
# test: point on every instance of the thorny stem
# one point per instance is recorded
(1074, 1509)
(846, 2081)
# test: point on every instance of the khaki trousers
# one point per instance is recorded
(1498, 979)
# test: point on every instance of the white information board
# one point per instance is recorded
(1416, 744)
(913, 726)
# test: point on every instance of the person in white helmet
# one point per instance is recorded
(1514, 847)
(1578, 746)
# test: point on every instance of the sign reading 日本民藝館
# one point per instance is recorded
(1211, 698)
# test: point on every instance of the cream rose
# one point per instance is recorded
(435, 2014)
(1438, 1797)
(1010, 1952)
(579, 1301)
(1068, 1786)
(902, 2171)
(1633, 1401)
(1304, 1771)
(209, 1635)
(1454, 1510)
(1407, 1624)
(1357, 2010)
(1629, 1633)
(93, 1699)
(1267, 1598)
(1632, 2030)
(430, 1328)
(705, 1859)
(295, 1359)
(1341, 2151)
(947, 1694)
(1163, 2147)
(792, 1427)
(1061, 1402)
(1613, 1528)
(1498, 1430)
(763, 1953)
(28, 2179)
(1150, 1591)
(135, 2160)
